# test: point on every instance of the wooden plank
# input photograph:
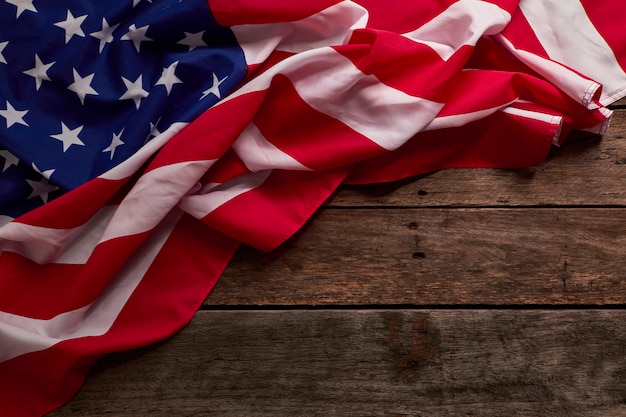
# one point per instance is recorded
(438, 256)
(587, 169)
(371, 363)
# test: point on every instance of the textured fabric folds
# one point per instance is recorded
(143, 140)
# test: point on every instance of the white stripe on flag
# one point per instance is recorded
(61, 246)
(153, 196)
(541, 117)
(569, 37)
(20, 335)
(258, 154)
(463, 23)
(331, 26)
(577, 87)
(385, 115)
(211, 197)
(456, 120)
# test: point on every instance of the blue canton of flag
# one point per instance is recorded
(84, 84)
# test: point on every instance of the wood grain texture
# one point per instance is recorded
(586, 170)
(438, 256)
(371, 363)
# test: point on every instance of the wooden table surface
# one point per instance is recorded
(459, 293)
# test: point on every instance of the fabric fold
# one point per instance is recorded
(142, 142)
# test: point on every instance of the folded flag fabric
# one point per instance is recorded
(143, 140)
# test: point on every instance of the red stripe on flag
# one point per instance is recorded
(106, 260)
(401, 16)
(497, 141)
(225, 169)
(158, 308)
(404, 64)
(522, 35)
(489, 55)
(53, 289)
(76, 208)
(486, 89)
(315, 139)
(37, 383)
(211, 134)
(44, 286)
(242, 12)
(266, 216)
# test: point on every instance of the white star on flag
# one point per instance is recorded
(69, 136)
(39, 72)
(41, 188)
(136, 2)
(115, 142)
(9, 159)
(215, 88)
(134, 90)
(106, 34)
(2, 46)
(168, 77)
(82, 86)
(22, 5)
(192, 40)
(136, 35)
(13, 116)
(46, 174)
(154, 131)
(71, 25)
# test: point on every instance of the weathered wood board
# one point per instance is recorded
(439, 256)
(372, 363)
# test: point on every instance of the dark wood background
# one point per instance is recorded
(459, 293)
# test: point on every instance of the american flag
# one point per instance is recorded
(143, 140)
